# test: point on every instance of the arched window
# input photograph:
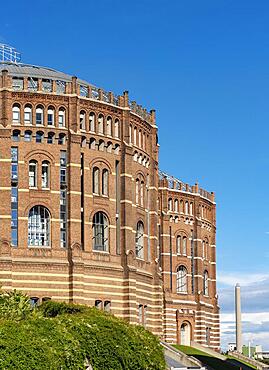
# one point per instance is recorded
(39, 137)
(82, 120)
(135, 135)
(100, 232)
(139, 240)
(191, 209)
(137, 191)
(28, 114)
(92, 143)
(101, 145)
(203, 249)
(28, 135)
(207, 336)
(116, 128)
(186, 208)
(92, 122)
(109, 126)
(50, 116)
(61, 139)
(16, 116)
(181, 206)
(39, 115)
(178, 244)
(181, 279)
(130, 134)
(16, 135)
(95, 180)
(105, 182)
(116, 149)
(184, 245)
(39, 227)
(144, 140)
(50, 137)
(61, 117)
(33, 174)
(109, 147)
(142, 193)
(139, 138)
(205, 283)
(170, 204)
(45, 175)
(176, 205)
(83, 142)
(100, 124)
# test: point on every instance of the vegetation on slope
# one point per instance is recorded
(209, 360)
(62, 336)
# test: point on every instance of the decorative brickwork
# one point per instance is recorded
(85, 215)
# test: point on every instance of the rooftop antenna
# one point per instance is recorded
(9, 54)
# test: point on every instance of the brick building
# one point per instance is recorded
(87, 217)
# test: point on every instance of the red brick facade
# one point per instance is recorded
(88, 161)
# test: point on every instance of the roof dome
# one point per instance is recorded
(28, 70)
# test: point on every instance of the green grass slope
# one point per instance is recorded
(209, 360)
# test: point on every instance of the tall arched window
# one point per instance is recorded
(191, 209)
(186, 208)
(176, 205)
(142, 193)
(116, 128)
(130, 134)
(39, 227)
(139, 138)
(181, 279)
(33, 174)
(109, 126)
(100, 232)
(100, 124)
(205, 283)
(82, 120)
(105, 182)
(184, 245)
(139, 240)
(92, 122)
(39, 115)
(45, 175)
(28, 114)
(181, 206)
(178, 244)
(95, 180)
(135, 135)
(92, 143)
(16, 116)
(137, 191)
(61, 117)
(203, 249)
(170, 204)
(50, 116)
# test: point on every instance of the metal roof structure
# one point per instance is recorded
(9, 54)
(29, 70)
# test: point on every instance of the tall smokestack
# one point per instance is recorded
(238, 318)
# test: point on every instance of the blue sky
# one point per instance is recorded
(203, 65)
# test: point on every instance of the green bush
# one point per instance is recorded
(59, 336)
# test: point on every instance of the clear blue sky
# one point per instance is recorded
(204, 67)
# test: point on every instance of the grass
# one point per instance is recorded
(209, 360)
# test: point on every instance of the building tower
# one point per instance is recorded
(238, 318)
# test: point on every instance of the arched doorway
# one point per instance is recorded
(185, 334)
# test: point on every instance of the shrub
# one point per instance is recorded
(59, 336)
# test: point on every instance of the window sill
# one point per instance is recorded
(102, 252)
(39, 246)
(33, 188)
(184, 293)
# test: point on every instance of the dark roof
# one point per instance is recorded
(28, 70)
